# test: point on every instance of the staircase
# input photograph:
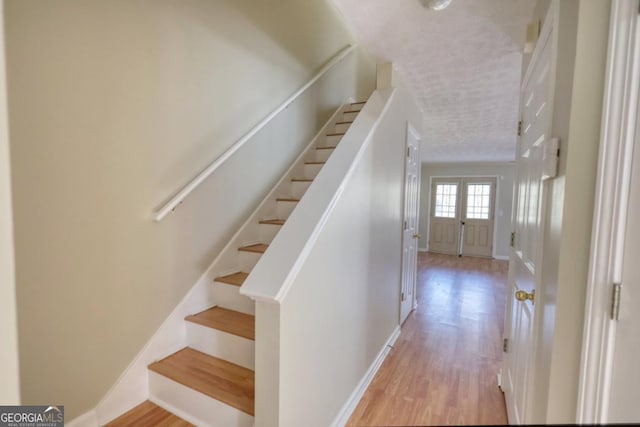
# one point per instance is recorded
(211, 381)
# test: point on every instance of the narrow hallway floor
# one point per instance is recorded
(442, 369)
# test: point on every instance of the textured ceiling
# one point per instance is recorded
(463, 64)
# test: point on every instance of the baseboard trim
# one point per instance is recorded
(348, 408)
(501, 257)
(423, 250)
(88, 419)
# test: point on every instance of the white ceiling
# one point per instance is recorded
(463, 64)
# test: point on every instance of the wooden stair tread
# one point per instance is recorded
(336, 134)
(257, 248)
(351, 111)
(222, 319)
(326, 148)
(217, 378)
(287, 199)
(236, 279)
(358, 103)
(148, 414)
(302, 180)
(272, 221)
(314, 163)
(344, 122)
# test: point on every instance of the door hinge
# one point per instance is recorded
(403, 297)
(615, 301)
(513, 239)
(505, 345)
(520, 128)
(408, 151)
(405, 224)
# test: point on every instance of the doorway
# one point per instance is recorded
(462, 216)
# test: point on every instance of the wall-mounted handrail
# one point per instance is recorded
(179, 197)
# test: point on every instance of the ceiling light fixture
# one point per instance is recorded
(435, 4)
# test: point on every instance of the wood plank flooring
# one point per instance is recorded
(442, 370)
(148, 414)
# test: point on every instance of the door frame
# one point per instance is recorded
(9, 369)
(495, 206)
(620, 123)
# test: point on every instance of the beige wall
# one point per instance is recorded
(9, 385)
(505, 175)
(583, 35)
(113, 106)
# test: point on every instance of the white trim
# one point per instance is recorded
(351, 403)
(177, 199)
(9, 360)
(501, 257)
(619, 120)
(88, 419)
(423, 250)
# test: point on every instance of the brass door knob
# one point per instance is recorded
(523, 296)
(416, 236)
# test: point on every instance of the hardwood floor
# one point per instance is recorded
(442, 369)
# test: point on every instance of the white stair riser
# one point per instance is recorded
(248, 260)
(348, 117)
(323, 155)
(341, 128)
(268, 232)
(194, 406)
(298, 188)
(284, 209)
(228, 296)
(310, 171)
(223, 345)
(332, 141)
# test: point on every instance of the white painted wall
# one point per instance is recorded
(343, 304)
(10, 383)
(504, 172)
(113, 107)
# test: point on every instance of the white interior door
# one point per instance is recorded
(624, 405)
(524, 274)
(444, 229)
(410, 234)
(478, 209)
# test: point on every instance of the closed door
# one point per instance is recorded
(410, 233)
(462, 216)
(444, 233)
(625, 379)
(524, 271)
(478, 216)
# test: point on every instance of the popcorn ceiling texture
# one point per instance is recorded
(463, 65)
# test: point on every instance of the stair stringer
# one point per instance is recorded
(132, 387)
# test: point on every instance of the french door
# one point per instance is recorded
(462, 216)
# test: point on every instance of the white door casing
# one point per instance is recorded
(410, 227)
(611, 344)
(526, 253)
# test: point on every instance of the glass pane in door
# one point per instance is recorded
(446, 198)
(478, 201)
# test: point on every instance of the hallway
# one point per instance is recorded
(443, 367)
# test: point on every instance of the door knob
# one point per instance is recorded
(416, 236)
(523, 296)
